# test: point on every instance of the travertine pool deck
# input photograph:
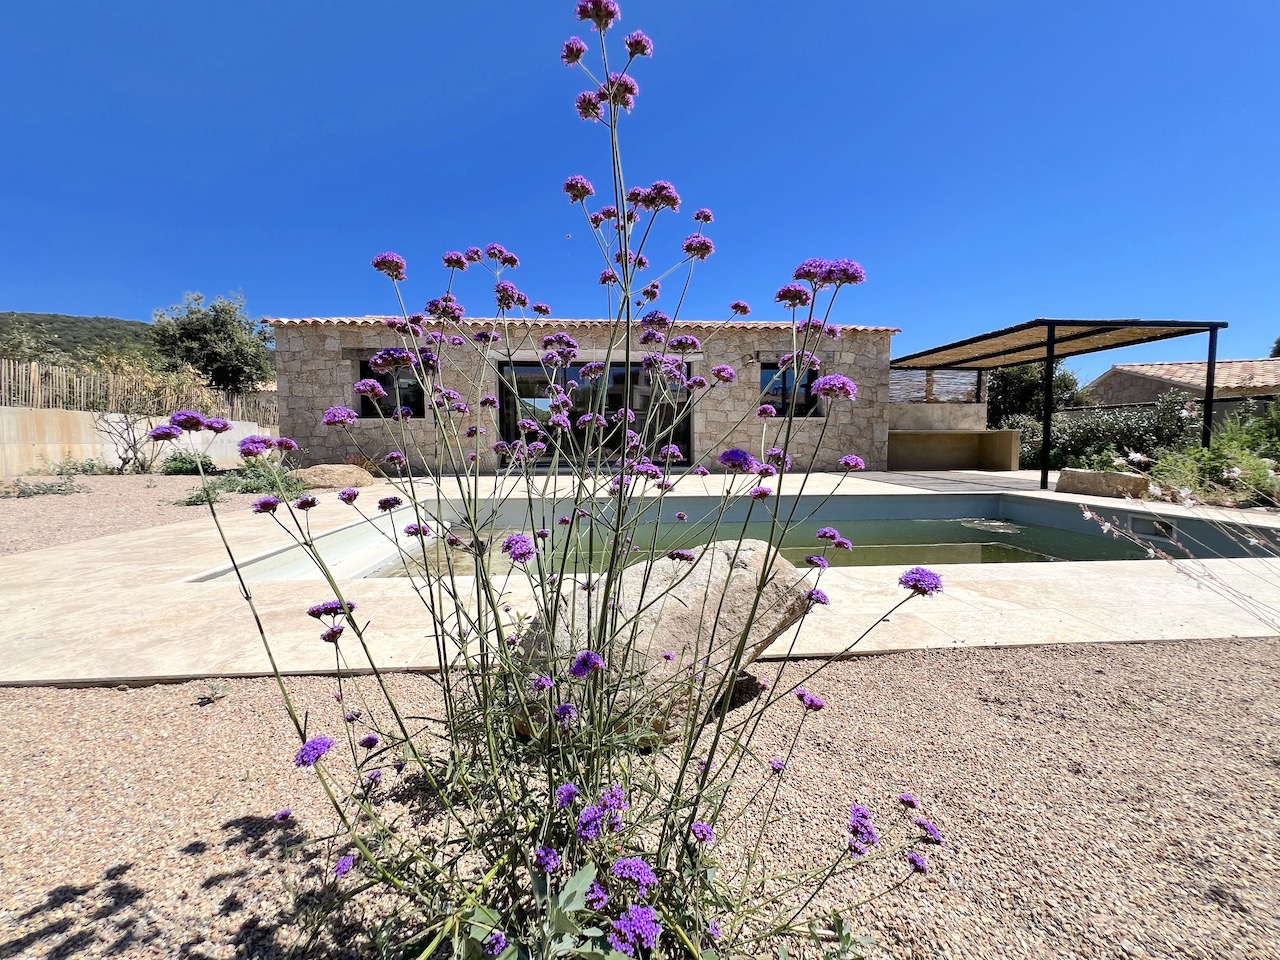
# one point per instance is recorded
(124, 609)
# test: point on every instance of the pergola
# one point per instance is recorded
(1045, 341)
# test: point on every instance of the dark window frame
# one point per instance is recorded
(806, 401)
(411, 393)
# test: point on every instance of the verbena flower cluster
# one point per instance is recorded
(573, 789)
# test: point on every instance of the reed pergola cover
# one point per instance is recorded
(1041, 340)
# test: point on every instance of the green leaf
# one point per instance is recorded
(562, 923)
(573, 896)
(782, 951)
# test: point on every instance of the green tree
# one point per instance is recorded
(1275, 348)
(1014, 391)
(23, 342)
(219, 339)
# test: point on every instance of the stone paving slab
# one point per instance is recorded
(123, 609)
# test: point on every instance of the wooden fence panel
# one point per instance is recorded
(58, 388)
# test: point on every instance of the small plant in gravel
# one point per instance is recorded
(40, 488)
(74, 467)
(186, 463)
(593, 785)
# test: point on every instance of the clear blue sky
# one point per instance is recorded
(987, 162)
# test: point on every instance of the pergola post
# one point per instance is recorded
(1207, 427)
(1046, 426)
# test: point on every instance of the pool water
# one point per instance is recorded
(875, 543)
(896, 542)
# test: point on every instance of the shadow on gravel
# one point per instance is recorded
(114, 917)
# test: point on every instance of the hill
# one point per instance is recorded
(83, 338)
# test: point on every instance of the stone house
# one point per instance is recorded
(318, 359)
(1137, 383)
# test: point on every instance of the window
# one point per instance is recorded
(411, 394)
(781, 392)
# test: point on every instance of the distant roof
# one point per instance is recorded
(1028, 342)
(559, 324)
(1241, 377)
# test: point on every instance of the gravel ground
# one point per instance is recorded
(1100, 801)
(111, 504)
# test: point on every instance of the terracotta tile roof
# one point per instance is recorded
(540, 322)
(1246, 376)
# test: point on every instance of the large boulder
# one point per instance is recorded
(326, 476)
(680, 628)
(1102, 483)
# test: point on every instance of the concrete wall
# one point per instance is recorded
(33, 439)
(936, 416)
(317, 364)
(1117, 386)
(954, 449)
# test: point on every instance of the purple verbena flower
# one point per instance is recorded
(793, 295)
(932, 833)
(392, 264)
(844, 271)
(566, 793)
(344, 865)
(917, 862)
(597, 898)
(283, 815)
(369, 388)
(600, 12)
(547, 859)
(305, 502)
(266, 504)
(909, 801)
(519, 548)
(817, 596)
(389, 503)
(777, 765)
(921, 581)
(369, 741)
(638, 45)
(740, 460)
(395, 459)
(187, 420)
(542, 684)
(313, 750)
(336, 416)
(809, 701)
(255, 446)
(166, 431)
(853, 462)
(495, 944)
(835, 385)
(572, 51)
(760, 493)
(348, 495)
(817, 561)
(637, 927)
(637, 871)
(586, 662)
(724, 373)
(863, 834)
(766, 410)
(703, 833)
(739, 308)
(698, 247)
(565, 715)
(685, 555)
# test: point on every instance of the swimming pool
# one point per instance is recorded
(901, 529)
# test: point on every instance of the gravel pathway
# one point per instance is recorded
(1099, 801)
(109, 504)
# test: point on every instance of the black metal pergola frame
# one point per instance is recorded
(1041, 341)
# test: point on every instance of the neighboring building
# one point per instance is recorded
(1135, 383)
(319, 358)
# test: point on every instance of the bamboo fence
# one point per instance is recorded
(46, 387)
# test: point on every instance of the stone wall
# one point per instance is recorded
(1117, 386)
(318, 362)
(936, 416)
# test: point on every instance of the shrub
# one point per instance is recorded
(186, 463)
(558, 802)
(73, 467)
(1082, 438)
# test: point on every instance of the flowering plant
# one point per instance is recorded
(590, 787)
